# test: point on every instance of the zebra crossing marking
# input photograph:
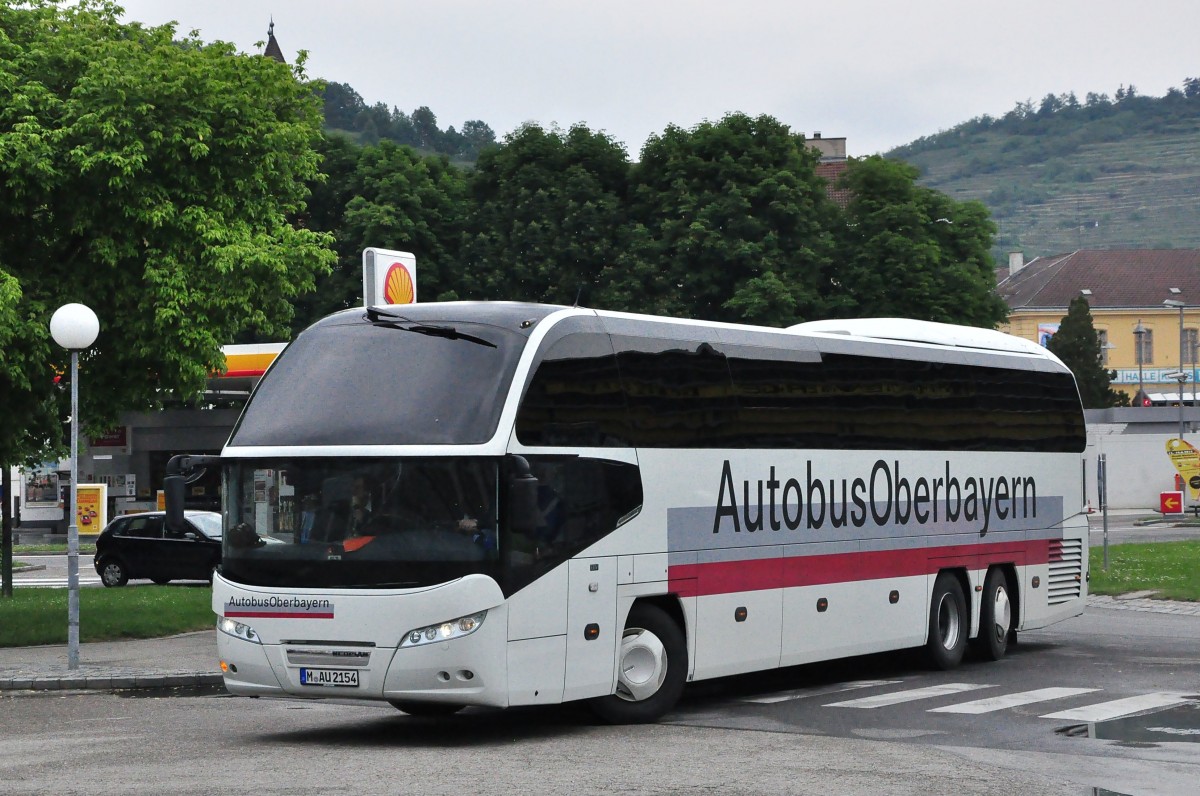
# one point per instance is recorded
(787, 696)
(1122, 707)
(991, 704)
(1100, 711)
(909, 695)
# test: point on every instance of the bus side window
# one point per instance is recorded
(580, 501)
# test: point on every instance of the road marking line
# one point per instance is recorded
(911, 695)
(1117, 708)
(812, 692)
(1012, 700)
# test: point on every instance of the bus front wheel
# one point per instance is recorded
(652, 669)
(948, 622)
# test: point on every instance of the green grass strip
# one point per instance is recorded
(1170, 569)
(34, 616)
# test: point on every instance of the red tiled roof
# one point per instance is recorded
(1120, 278)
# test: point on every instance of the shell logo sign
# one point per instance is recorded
(398, 285)
(389, 277)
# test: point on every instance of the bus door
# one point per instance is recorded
(592, 632)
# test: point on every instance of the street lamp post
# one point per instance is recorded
(1139, 332)
(1181, 377)
(1179, 305)
(74, 327)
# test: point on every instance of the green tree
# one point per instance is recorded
(476, 136)
(342, 104)
(1078, 346)
(729, 223)
(390, 197)
(912, 252)
(546, 216)
(401, 200)
(153, 179)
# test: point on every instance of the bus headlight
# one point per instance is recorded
(238, 630)
(444, 631)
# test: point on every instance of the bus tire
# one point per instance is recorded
(995, 617)
(430, 709)
(652, 669)
(948, 623)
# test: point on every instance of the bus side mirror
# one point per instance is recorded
(523, 513)
(174, 489)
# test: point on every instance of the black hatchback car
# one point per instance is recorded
(140, 546)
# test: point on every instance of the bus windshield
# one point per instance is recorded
(360, 522)
(347, 381)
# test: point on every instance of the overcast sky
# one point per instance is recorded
(875, 72)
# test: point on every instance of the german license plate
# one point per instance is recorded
(346, 678)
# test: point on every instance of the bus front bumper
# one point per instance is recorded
(470, 670)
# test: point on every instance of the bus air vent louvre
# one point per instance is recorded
(1066, 571)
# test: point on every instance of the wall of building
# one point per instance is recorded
(1134, 441)
(150, 439)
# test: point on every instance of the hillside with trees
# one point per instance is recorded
(1065, 173)
(347, 113)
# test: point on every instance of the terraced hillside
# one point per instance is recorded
(1050, 194)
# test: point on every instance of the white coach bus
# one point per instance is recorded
(499, 504)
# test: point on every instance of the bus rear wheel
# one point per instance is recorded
(652, 669)
(995, 617)
(948, 623)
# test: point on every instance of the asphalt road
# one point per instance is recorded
(906, 730)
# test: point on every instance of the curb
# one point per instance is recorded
(111, 681)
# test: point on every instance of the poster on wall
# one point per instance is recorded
(1045, 332)
(91, 507)
(41, 485)
(1186, 459)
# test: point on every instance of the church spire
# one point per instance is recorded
(273, 50)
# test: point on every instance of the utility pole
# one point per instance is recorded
(6, 562)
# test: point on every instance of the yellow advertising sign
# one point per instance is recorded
(1187, 461)
(91, 507)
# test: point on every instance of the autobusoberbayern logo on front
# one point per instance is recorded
(277, 607)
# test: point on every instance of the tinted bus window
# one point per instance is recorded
(356, 383)
(866, 403)
(679, 394)
(574, 398)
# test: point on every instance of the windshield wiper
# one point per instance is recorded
(376, 314)
(380, 317)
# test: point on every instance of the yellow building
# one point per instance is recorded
(1145, 305)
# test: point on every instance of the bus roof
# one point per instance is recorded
(925, 332)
